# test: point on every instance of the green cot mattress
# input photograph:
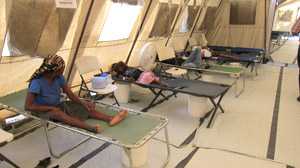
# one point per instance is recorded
(224, 69)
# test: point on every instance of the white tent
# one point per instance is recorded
(115, 30)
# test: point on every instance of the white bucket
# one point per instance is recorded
(197, 106)
(139, 157)
(123, 92)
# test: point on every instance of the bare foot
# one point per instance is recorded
(98, 128)
(95, 129)
(119, 117)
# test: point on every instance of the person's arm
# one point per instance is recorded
(31, 106)
(75, 98)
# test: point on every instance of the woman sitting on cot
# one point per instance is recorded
(43, 98)
(121, 70)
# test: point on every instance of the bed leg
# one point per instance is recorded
(216, 107)
(238, 93)
(116, 100)
(168, 147)
(127, 151)
(50, 147)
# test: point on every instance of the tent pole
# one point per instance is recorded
(73, 58)
(266, 27)
(139, 32)
(198, 18)
(269, 26)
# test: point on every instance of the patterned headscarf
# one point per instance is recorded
(50, 63)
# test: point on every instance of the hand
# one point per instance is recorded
(89, 105)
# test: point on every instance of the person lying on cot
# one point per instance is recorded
(205, 52)
(121, 70)
(43, 98)
(194, 59)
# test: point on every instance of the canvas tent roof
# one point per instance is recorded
(78, 33)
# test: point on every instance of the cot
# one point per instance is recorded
(234, 72)
(133, 132)
(213, 91)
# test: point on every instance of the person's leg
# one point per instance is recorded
(81, 113)
(73, 121)
(112, 120)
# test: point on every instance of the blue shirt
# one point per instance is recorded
(47, 93)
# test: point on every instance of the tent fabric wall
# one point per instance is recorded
(16, 75)
(224, 34)
(108, 52)
(177, 40)
(199, 34)
(20, 68)
(209, 18)
(37, 27)
(3, 24)
(164, 19)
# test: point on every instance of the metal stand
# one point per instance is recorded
(157, 94)
(50, 147)
(215, 109)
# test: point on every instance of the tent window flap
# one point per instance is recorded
(164, 20)
(119, 21)
(241, 9)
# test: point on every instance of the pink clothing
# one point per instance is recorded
(147, 77)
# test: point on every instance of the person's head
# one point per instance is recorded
(196, 48)
(205, 47)
(53, 65)
(119, 68)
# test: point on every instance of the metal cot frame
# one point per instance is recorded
(254, 63)
(236, 76)
(126, 147)
(158, 92)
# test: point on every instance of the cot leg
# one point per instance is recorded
(80, 90)
(256, 69)
(168, 147)
(3, 158)
(152, 102)
(216, 107)
(50, 147)
(115, 99)
(127, 151)
(238, 93)
(160, 93)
